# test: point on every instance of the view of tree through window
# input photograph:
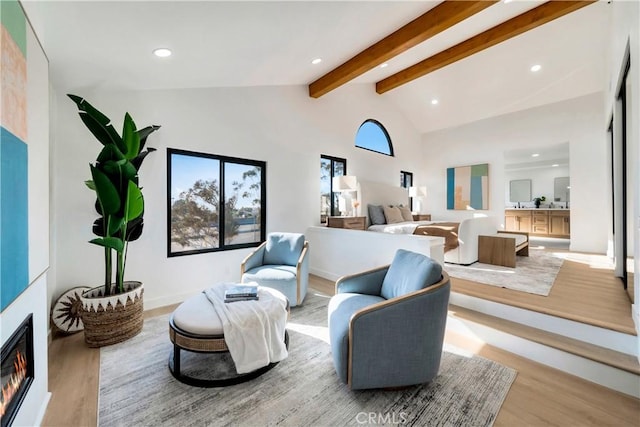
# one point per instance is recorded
(206, 216)
(374, 137)
(329, 168)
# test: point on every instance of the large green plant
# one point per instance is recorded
(114, 174)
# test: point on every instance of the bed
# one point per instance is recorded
(461, 237)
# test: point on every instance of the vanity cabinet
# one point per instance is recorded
(539, 222)
(517, 220)
(560, 224)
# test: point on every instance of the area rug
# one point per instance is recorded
(137, 389)
(534, 274)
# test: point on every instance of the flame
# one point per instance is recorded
(16, 379)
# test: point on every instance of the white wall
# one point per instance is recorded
(578, 121)
(339, 252)
(280, 125)
(624, 26)
(542, 183)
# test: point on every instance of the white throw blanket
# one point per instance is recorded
(253, 330)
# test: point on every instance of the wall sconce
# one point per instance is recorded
(417, 194)
(345, 184)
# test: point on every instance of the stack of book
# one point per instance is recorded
(241, 293)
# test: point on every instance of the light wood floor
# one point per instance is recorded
(539, 396)
(585, 290)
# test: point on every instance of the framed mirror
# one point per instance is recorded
(561, 189)
(520, 190)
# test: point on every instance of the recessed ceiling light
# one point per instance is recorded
(535, 155)
(536, 68)
(507, 1)
(384, 65)
(162, 52)
(555, 165)
(316, 61)
(434, 101)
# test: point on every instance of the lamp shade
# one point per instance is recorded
(345, 183)
(417, 191)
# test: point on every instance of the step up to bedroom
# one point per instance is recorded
(596, 354)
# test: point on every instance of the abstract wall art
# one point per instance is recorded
(14, 236)
(468, 187)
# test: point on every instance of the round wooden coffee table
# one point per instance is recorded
(195, 327)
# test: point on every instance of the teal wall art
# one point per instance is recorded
(468, 187)
(14, 219)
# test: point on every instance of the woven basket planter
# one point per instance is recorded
(112, 319)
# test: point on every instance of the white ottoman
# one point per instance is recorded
(195, 326)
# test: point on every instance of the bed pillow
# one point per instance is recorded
(406, 213)
(376, 215)
(392, 214)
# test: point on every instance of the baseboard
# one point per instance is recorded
(150, 304)
(324, 274)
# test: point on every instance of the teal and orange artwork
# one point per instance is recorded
(14, 215)
(468, 187)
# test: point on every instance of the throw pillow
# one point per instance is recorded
(392, 214)
(376, 215)
(406, 213)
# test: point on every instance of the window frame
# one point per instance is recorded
(222, 246)
(332, 204)
(403, 181)
(384, 132)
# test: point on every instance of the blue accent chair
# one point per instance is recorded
(387, 325)
(281, 262)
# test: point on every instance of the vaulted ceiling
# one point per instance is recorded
(108, 44)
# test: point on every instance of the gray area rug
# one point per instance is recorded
(137, 389)
(534, 274)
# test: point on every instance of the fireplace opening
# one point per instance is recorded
(16, 370)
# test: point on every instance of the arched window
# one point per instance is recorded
(374, 137)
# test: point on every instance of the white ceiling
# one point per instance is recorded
(107, 45)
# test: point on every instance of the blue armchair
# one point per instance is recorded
(387, 325)
(282, 263)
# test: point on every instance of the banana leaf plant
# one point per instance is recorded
(114, 178)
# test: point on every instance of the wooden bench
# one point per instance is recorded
(501, 248)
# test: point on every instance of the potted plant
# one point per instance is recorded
(539, 200)
(112, 312)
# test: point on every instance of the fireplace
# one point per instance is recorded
(17, 370)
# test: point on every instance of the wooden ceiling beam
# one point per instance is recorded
(441, 17)
(520, 24)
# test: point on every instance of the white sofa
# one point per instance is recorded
(468, 232)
